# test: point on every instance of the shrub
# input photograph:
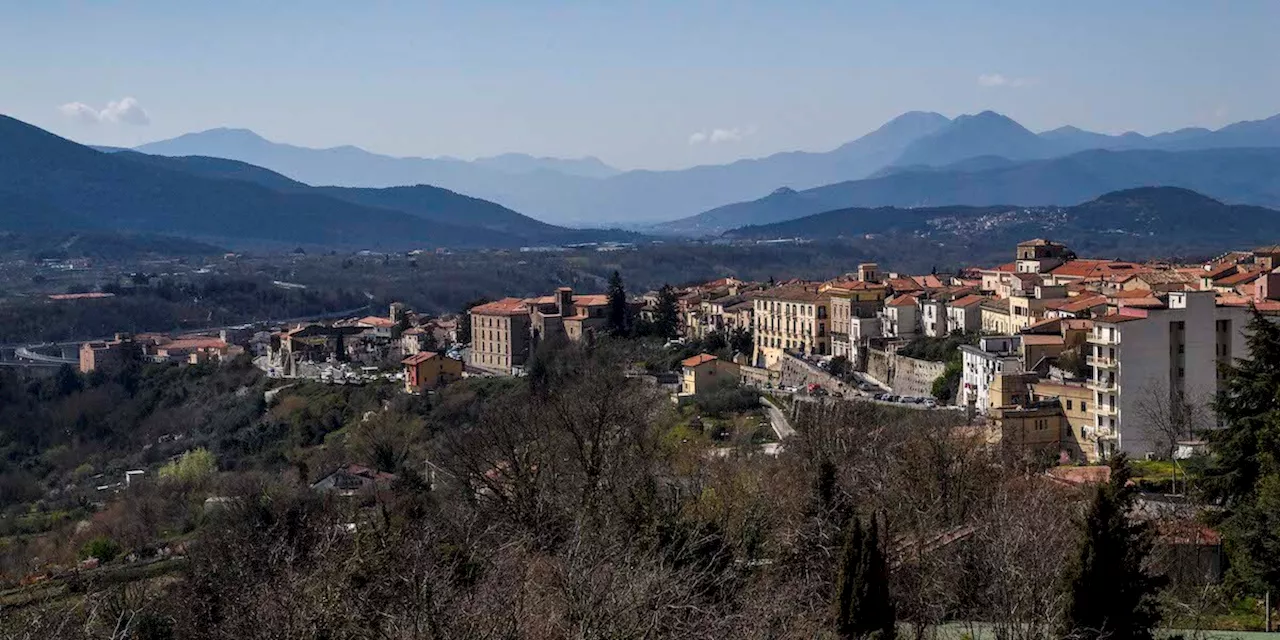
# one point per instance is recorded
(103, 548)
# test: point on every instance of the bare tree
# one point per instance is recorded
(1171, 415)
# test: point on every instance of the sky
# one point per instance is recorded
(643, 84)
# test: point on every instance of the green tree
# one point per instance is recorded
(191, 467)
(863, 605)
(1243, 474)
(666, 322)
(103, 548)
(617, 305)
(1110, 593)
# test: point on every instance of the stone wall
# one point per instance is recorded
(906, 376)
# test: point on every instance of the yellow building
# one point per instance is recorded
(996, 319)
(1075, 400)
(790, 318)
(429, 370)
(704, 372)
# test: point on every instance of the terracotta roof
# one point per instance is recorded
(1050, 325)
(902, 301)
(792, 292)
(701, 358)
(968, 300)
(929, 281)
(1220, 270)
(1008, 267)
(904, 284)
(1086, 268)
(1117, 318)
(1243, 277)
(1040, 340)
(194, 343)
(1164, 276)
(1150, 302)
(503, 307)
(419, 358)
(1083, 302)
(376, 321)
(1269, 250)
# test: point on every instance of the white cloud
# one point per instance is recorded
(123, 111)
(719, 135)
(1001, 80)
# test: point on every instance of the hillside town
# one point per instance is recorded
(1070, 357)
(1079, 357)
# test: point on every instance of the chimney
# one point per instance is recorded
(564, 301)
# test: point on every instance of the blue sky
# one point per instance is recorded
(640, 84)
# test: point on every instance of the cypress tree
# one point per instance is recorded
(863, 605)
(617, 305)
(666, 324)
(1110, 593)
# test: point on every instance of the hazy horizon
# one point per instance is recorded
(658, 86)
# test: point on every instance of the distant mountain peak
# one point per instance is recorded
(1163, 194)
(783, 191)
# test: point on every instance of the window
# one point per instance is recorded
(1084, 406)
(1068, 404)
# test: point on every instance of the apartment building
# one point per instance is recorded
(965, 314)
(1026, 307)
(993, 356)
(855, 312)
(500, 335)
(1151, 357)
(901, 318)
(790, 318)
(995, 317)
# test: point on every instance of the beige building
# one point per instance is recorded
(790, 318)
(500, 335)
(855, 313)
(705, 372)
(996, 318)
(1075, 399)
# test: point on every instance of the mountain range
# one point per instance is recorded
(1237, 175)
(48, 183)
(586, 192)
(1146, 221)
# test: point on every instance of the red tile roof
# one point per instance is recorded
(1117, 318)
(968, 300)
(904, 284)
(902, 301)
(1040, 340)
(419, 358)
(1243, 277)
(503, 307)
(1087, 269)
(1083, 302)
(701, 358)
(376, 321)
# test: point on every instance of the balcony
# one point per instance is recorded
(1104, 339)
(1104, 385)
(1106, 410)
(1102, 362)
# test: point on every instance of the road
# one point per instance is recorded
(778, 420)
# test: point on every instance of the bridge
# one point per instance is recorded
(25, 353)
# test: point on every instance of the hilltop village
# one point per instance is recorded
(1069, 356)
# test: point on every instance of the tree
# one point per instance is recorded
(1171, 415)
(617, 305)
(1243, 476)
(864, 608)
(190, 468)
(464, 319)
(742, 341)
(1110, 591)
(840, 366)
(666, 322)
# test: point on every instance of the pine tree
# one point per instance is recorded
(667, 321)
(863, 605)
(1243, 475)
(1110, 592)
(617, 305)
